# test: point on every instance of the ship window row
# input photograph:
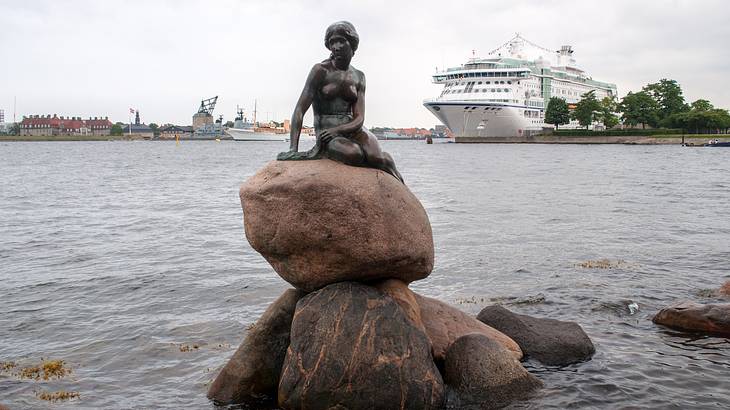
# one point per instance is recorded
(519, 74)
(476, 90)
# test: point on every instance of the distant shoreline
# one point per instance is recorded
(695, 139)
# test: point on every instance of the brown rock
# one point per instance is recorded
(552, 342)
(724, 289)
(484, 374)
(3, 407)
(252, 373)
(444, 324)
(406, 299)
(320, 222)
(696, 317)
(352, 347)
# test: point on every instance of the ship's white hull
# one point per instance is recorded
(485, 119)
(242, 134)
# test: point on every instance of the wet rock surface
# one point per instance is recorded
(482, 374)
(352, 347)
(696, 317)
(252, 373)
(320, 222)
(444, 324)
(552, 342)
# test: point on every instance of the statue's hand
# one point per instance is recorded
(327, 135)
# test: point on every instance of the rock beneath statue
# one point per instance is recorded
(406, 299)
(319, 222)
(444, 324)
(552, 342)
(485, 375)
(252, 374)
(696, 317)
(352, 347)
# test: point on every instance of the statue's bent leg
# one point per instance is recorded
(348, 152)
(376, 157)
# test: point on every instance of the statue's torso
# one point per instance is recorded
(336, 95)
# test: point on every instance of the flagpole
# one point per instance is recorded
(130, 124)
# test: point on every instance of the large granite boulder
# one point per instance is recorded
(406, 299)
(552, 342)
(485, 375)
(252, 374)
(320, 222)
(696, 317)
(444, 324)
(352, 347)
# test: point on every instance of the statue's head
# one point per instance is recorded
(339, 32)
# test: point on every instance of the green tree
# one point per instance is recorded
(702, 105)
(15, 129)
(228, 124)
(586, 109)
(557, 112)
(639, 108)
(155, 129)
(117, 129)
(607, 112)
(668, 95)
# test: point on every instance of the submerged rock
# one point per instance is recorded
(485, 375)
(552, 342)
(252, 373)
(724, 289)
(320, 222)
(696, 317)
(444, 324)
(352, 347)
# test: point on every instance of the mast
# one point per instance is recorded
(254, 112)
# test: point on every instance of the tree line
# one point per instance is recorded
(657, 105)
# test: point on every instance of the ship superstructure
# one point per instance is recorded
(505, 94)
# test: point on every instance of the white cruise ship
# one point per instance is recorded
(505, 94)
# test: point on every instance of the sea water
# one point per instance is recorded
(128, 261)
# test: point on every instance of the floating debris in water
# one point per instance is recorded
(188, 348)
(605, 264)
(251, 326)
(7, 366)
(46, 370)
(58, 395)
(633, 307)
(524, 300)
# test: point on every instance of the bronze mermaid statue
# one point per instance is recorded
(336, 92)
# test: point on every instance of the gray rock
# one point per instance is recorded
(552, 342)
(352, 347)
(483, 374)
(252, 374)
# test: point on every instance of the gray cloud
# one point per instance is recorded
(100, 58)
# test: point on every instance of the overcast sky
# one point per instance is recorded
(98, 58)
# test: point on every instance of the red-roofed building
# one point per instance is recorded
(47, 125)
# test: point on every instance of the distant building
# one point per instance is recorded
(172, 131)
(138, 129)
(55, 125)
(2, 116)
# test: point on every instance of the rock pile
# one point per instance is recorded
(352, 335)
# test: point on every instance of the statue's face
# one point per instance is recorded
(340, 47)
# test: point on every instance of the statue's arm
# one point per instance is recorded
(303, 104)
(358, 115)
(358, 112)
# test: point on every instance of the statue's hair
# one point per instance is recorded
(346, 29)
